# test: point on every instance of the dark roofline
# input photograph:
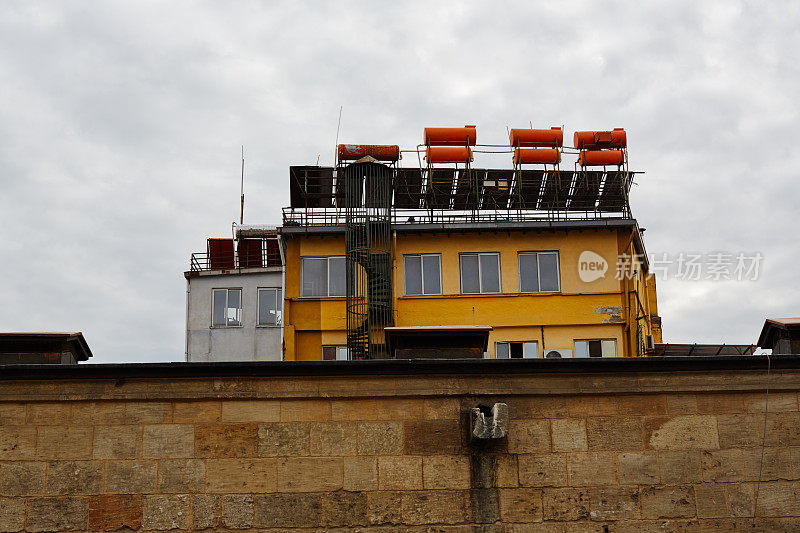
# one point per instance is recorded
(398, 367)
(773, 324)
(82, 353)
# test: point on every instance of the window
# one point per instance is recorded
(423, 274)
(480, 273)
(226, 307)
(269, 307)
(334, 353)
(596, 348)
(516, 350)
(538, 271)
(323, 276)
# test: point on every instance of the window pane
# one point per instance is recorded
(594, 349)
(328, 353)
(528, 273)
(279, 307)
(341, 353)
(609, 348)
(581, 349)
(501, 350)
(490, 273)
(336, 266)
(218, 307)
(548, 272)
(315, 277)
(267, 311)
(469, 274)
(430, 265)
(234, 307)
(515, 348)
(530, 350)
(413, 272)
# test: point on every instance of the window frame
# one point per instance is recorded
(227, 296)
(422, 274)
(278, 307)
(338, 350)
(600, 340)
(327, 259)
(480, 280)
(509, 343)
(539, 271)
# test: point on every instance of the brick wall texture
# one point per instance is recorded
(623, 453)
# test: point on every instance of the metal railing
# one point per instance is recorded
(203, 261)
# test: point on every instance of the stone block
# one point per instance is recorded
(778, 402)
(741, 499)
(251, 411)
(241, 475)
(196, 412)
(12, 414)
(98, 413)
(17, 442)
(779, 498)
(433, 507)
(181, 475)
(715, 403)
(12, 514)
(613, 503)
(22, 478)
(380, 438)
(520, 505)
(680, 466)
(739, 430)
(286, 510)
(681, 404)
(237, 511)
(63, 442)
(565, 504)
(168, 440)
(441, 409)
(593, 468)
(75, 477)
(343, 509)
(527, 407)
(131, 477)
(401, 472)
(783, 429)
(446, 472)
(308, 474)
(377, 409)
(57, 514)
(283, 439)
(49, 413)
(541, 470)
(673, 501)
(117, 442)
(113, 512)
(734, 464)
(686, 432)
(225, 440)
(360, 473)
(384, 507)
(638, 468)
(528, 436)
(423, 437)
(206, 511)
(144, 412)
(506, 469)
(569, 434)
(710, 498)
(163, 513)
(334, 438)
(621, 433)
(305, 410)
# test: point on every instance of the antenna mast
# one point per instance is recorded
(241, 209)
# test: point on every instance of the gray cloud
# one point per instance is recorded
(120, 127)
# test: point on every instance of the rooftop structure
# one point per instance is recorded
(43, 348)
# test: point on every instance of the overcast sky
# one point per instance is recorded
(121, 126)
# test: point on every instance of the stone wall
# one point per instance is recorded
(671, 451)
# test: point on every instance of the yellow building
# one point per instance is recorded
(556, 274)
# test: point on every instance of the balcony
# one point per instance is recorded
(248, 253)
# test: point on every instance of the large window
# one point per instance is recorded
(516, 350)
(538, 272)
(226, 307)
(423, 274)
(480, 273)
(323, 276)
(334, 353)
(269, 307)
(596, 348)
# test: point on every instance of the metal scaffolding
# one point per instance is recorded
(368, 216)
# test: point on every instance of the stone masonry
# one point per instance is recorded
(629, 452)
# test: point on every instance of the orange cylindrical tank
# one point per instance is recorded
(381, 152)
(448, 154)
(552, 138)
(529, 156)
(465, 136)
(589, 140)
(596, 158)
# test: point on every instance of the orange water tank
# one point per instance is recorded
(529, 156)
(465, 136)
(381, 152)
(552, 138)
(597, 158)
(448, 154)
(590, 140)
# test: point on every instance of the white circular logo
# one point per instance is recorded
(591, 266)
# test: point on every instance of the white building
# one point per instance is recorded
(234, 299)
